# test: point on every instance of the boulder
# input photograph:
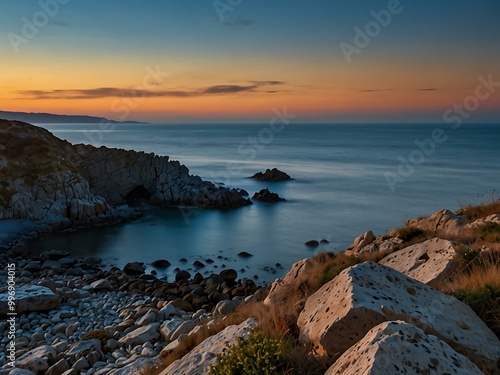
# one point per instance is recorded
(343, 310)
(312, 243)
(134, 268)
(229, 275)
(224, 308)
(280, 289)
(83, 348)
(30, 298)
(399, 347)
(362, 241)
(36, 360)
(271, 175)
(441, 222)
(161, 263)
(182, 275)
(142, 335)
(380, 246)
(244, 254)
(266, 196)
(427, 262)
(495, 218)
(198, 360)
(102, 284)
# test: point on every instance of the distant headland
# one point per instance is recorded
(49, 118)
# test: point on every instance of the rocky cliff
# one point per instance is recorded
(48, 179)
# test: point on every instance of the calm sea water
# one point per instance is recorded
(340, 188)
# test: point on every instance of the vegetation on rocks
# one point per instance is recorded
(101, 335)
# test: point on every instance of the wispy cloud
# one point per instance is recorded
(427, 89)
(239, 21)
(108, 92)
(375, 90)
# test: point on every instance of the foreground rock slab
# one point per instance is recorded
(198, 360)
(341, 312)
(427, 262)
(30, 298)
(399, 347)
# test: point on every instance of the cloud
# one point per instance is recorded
(59, 23)
(375, 90)
(239, 21)
(110, 92)
(429, 89)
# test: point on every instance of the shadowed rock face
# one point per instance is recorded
(271, 175)
(46, 178)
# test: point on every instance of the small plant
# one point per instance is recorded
(101, 335)
(258, 354)
(480, 211)
(408, 234)
(489, 232)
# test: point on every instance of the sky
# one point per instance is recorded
(211, 61)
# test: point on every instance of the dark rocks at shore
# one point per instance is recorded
(244, 254)
(271, 175)
(161, 263)
(312, 243)
(134, 268)
(266, 196)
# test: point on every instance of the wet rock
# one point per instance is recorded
(266, 196)
(161, 263)
(198, 264)
(229, 275)
(312, 243)
(271, 175)
(134, 268)
(244, 254)
(182, 275)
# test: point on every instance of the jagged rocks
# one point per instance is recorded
(271, 175)
(397, 347)
(495, 218)
(266, 196)
(30, 298)
(341, 313)
(198, 360)
(441, 222)
(362, 241)
(427, 262)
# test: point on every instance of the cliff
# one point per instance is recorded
(48, 179)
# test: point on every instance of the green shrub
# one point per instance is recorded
(489, 232)
(256, 355)
(485, 301)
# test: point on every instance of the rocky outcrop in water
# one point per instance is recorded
(48, 179)
(267, 196)
(271, 175)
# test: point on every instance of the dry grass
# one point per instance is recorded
(475, 212)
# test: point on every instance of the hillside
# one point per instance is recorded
(49, 118)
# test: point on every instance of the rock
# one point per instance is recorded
(198, 264)
(198, 360)
(271, 175)
(383, 247)
(362, 241)
(182, 275)
(58, 368)
(169, 327)
(37, 359)
(142, 335)
(184, 328)
(266, 196)
(134, 268)
(135, 365)
(312, 243)
(341, 312)
(183, 305)
(161, 263)
(495, 218)
(397, 347)
(148, 318)
(19, 371)
(167, 311)
(102, 284)
(83, 348)
(30, 298)
(229, 275)
(427, 262)
(70, 372)
(441, 222)
(244, 254)
(224, 308)
(281, 289)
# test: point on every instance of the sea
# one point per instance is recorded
(347, 179)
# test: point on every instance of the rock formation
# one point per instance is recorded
(45, 178)
(266, 196)
(271, 175)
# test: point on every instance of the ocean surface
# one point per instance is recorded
(346, 181)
